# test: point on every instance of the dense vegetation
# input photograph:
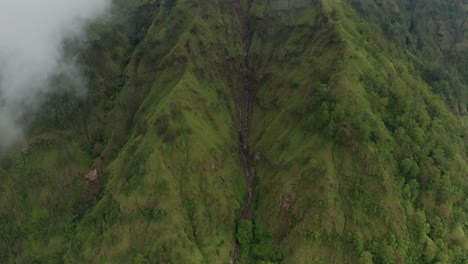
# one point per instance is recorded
(358, 138)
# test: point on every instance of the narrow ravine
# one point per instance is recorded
(244, 96)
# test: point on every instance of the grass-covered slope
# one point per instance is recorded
(174, 184)
(159, 125)
(355, 155)
(433, 34)
(355, 148)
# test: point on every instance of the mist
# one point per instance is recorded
(32, 37)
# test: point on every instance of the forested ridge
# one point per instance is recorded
(256, 131)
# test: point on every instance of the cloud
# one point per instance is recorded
(32, 36)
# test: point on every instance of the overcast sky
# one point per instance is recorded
(32, 33)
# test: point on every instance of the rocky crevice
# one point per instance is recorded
(244, 96)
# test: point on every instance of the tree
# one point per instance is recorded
(366, 258)
(244, 232)
(409, 168)
(359, 242)
(429, 251)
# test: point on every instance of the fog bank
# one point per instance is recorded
(32, 34)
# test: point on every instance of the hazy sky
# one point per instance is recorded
(32, 33)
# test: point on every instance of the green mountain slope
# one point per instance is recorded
(263, 131)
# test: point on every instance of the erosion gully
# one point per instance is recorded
(244, 96)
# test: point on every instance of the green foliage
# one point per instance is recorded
(357, 140)
(358, 242)
(244, 234)
(435, 42)
(409, 169)
(366, 258)
(430, 251)
(263, 250)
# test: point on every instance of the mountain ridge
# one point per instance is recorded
(356, 156)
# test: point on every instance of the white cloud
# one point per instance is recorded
(32, 33)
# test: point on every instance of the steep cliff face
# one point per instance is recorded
(266, 130)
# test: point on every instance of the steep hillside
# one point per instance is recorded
(433, 36)
(256, 131)
(354, 146)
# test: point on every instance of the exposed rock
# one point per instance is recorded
(92, 176)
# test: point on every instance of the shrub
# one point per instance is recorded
(244, 232)
(366, 258)
(263, 250)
